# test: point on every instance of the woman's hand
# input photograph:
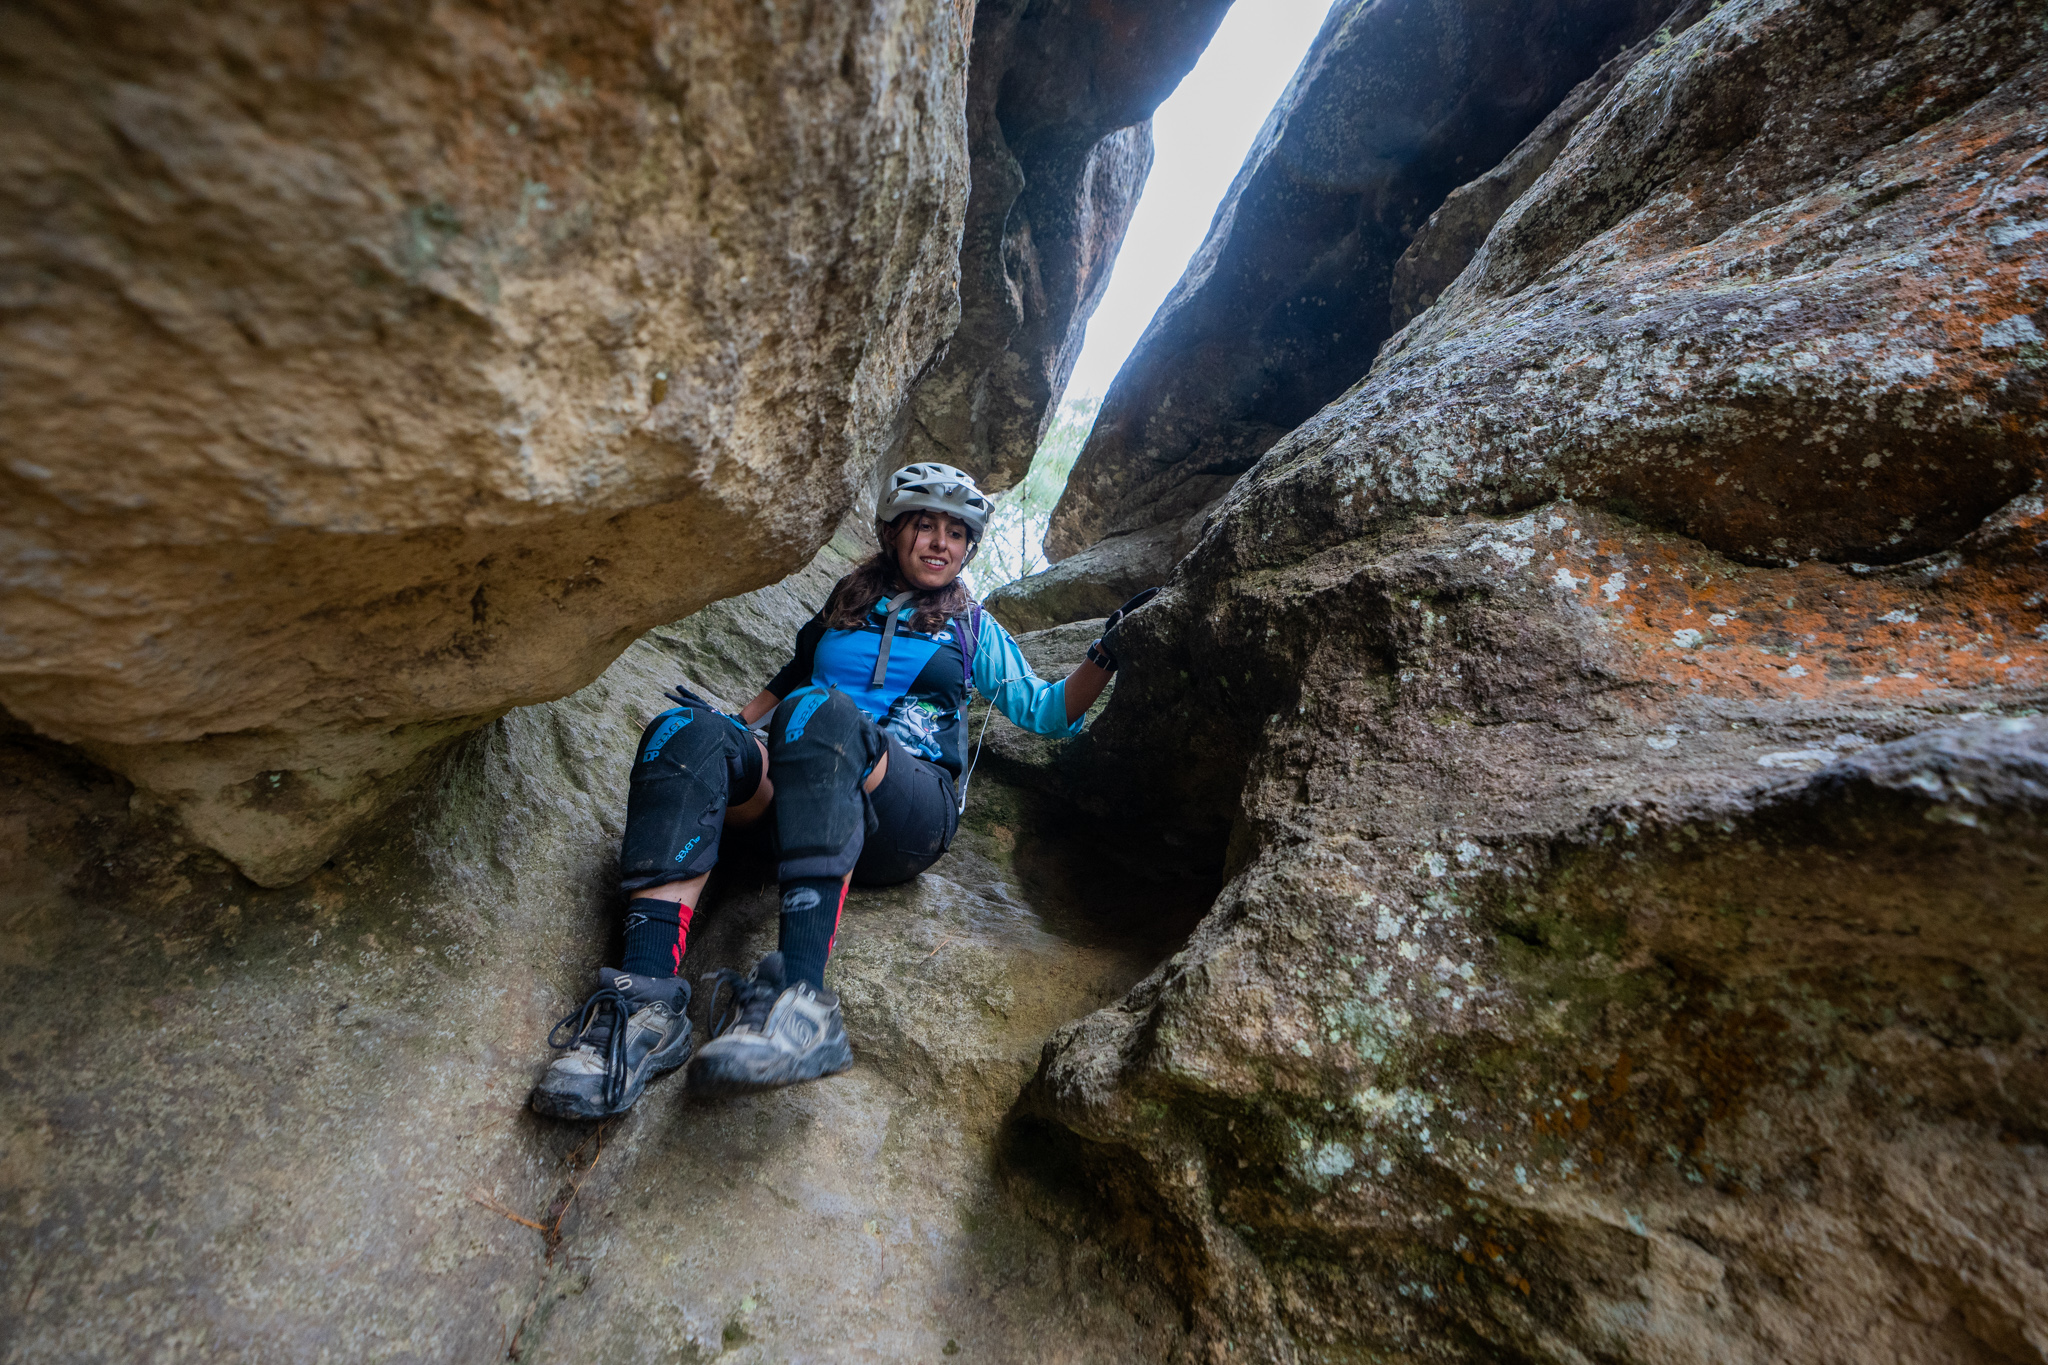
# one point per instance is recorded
(1103, 652)
(1086, 682)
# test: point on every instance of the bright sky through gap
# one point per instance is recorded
(1201, 135)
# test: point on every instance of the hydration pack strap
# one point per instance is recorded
(888, 637)
(968, 628)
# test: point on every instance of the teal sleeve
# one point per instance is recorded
(1004, 676)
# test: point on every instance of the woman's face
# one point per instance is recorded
(931, 547)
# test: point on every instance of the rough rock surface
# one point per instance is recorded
(1059, 107)
(370, 373)
(1634, 947)
(1284, 306)
(288, 1125)
(1098, 580)
(1779, 293)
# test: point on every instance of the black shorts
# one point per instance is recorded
(916, 815)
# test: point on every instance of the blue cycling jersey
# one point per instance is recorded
(923, 697)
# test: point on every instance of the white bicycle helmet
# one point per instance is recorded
(939, 488)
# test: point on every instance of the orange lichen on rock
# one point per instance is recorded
(1698, 621)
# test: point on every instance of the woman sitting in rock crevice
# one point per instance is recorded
(866, 737)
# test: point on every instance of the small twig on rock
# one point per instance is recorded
(495, 1207)
(550, 1232)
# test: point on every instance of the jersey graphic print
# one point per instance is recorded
(916, 724)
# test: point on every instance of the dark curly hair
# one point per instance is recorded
(874, 579)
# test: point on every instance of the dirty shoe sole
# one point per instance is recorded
(656, 1065)
(717, 1075)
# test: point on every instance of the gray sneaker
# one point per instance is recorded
(769, 1035)
(631, 1029)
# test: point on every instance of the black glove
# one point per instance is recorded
(681, 695)
(1103, 652)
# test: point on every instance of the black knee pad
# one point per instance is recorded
(691, 762)
(821, 747)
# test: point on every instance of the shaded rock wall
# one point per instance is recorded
(1702, 316)
(1286, 303)
(1634, 941)
(1446, 244)
(1059, 107)
(371, 373)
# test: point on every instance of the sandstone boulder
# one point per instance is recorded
(1799, 324)
(1059, 107)
(1098, 580)
(369, 374)
(1632, 943)
(1286, 303)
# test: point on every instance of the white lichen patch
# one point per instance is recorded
(1325, 1163)
(1796, 758)
(2013, 331)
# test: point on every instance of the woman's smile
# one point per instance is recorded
(931, 549)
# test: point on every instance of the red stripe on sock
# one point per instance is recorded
(837, 915)
(683, 913)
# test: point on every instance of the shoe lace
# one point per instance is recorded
(747, 1003)
(607, 1008)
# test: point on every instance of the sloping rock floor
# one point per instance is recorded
(290, 1125)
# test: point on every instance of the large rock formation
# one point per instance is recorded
(1059, 107)
(1284, 306)
(1443, 246)
(370, 373)
(1622, 716)
(1619, 720)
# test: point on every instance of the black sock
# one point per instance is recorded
(810, 921)
(656, 933)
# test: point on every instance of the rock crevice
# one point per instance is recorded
(1289, 298)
